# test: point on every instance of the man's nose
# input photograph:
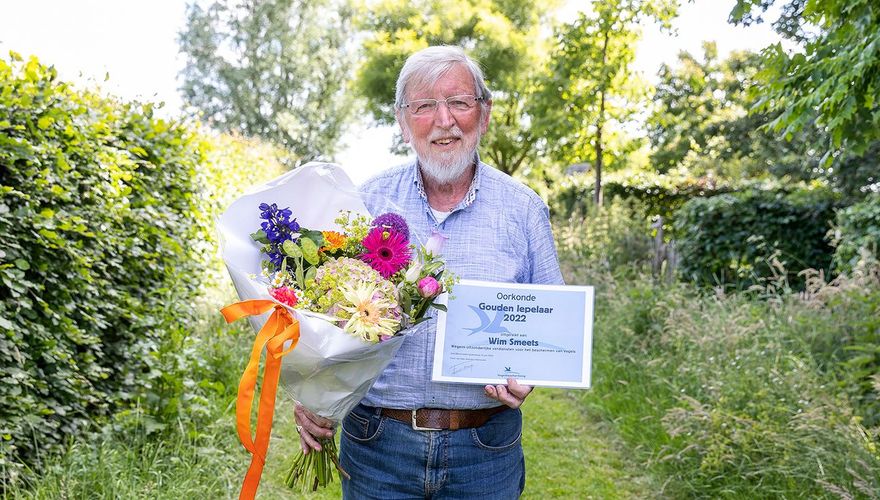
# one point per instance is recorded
(443, 117)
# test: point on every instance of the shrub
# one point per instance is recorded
(656, 194)
(615, 238)
(748, 238)
(857, 230)
(106, 234)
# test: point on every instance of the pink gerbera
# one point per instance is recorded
(387, 251)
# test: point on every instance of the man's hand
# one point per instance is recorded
(513, 394)
(311, 427)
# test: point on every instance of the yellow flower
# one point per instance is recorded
(370, 318)
(334, 240)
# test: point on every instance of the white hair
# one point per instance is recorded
(427, 66)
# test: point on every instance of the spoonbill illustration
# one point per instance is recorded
(487, 325)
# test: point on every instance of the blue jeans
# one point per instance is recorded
(388, 460)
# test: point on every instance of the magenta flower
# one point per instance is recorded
(428, 287)
(387, 251)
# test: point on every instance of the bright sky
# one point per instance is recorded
(135, 43)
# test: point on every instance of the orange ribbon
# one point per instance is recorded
(280, 328)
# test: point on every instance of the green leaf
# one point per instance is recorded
(291, 249)
(22, 264)
(309, 251)
(438, 306)
(260, 237)
(5, 323)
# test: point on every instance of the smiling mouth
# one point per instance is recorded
(445, 142)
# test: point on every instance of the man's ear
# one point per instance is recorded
(404, 129)
(486, 115)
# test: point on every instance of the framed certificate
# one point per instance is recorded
(540, 335)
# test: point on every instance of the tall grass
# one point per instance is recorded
(178, 443)
(729, 396)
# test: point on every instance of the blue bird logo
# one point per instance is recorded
(486, 325)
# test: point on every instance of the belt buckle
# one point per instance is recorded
(416, 427)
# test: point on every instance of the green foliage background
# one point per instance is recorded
(746, 238)
(106, 217)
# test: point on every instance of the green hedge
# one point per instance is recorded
(857, 230)
(755, 237)
(106, 238)
(658, 194)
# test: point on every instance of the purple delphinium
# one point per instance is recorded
(394, 222)
(278, 228)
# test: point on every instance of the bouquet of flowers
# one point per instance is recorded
(342, 292)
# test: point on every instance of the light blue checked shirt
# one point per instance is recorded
(499, 232)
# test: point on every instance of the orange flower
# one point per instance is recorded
(334, 240)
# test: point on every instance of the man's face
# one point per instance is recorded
(445, 141)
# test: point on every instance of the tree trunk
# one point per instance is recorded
(597, 193)
(600, 120)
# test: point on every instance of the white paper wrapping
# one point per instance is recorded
(330, 370)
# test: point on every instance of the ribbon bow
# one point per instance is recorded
(280, 328)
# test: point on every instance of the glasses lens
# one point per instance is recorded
(461, 102)
(423, 106)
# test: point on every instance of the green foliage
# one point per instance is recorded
(701, 122)
(725, 397)
(106, 238)
(197, 452)
(856, 232)
(848, 340)
(588, 91)
(657, 194)
(617, 238)
(835, 80)
(747, 238)
(97, 234)
(275, 69)
(504, 36)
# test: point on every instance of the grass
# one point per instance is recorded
(570, 452)
(694, 396)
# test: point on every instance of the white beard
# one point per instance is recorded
(445, 169)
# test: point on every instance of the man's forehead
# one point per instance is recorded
(425, 81)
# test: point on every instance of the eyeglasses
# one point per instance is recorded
(455, 104)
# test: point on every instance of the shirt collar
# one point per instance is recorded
(471, 195)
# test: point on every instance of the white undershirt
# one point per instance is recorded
(440, 216)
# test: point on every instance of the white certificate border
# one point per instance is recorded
(589, 304)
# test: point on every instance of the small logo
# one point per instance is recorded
(507, 369)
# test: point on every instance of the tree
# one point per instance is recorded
(835, 80)
(275, 69)
(503, 35)
(589, 87)
(701, 121)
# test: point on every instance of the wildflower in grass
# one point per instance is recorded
(387, 251)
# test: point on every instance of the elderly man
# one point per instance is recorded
(411, 437)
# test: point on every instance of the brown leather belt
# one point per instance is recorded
(435, 419)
